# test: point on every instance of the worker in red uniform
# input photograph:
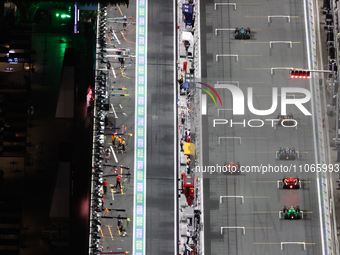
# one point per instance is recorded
(118, 178)
(105, 186)
(185, 64)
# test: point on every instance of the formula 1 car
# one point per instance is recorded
(292, 212)
(232, 168)
(242, 33)
(288, 120)
(287, 153)
(291, 183)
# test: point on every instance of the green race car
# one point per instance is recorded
(243, 33)
(292, 212)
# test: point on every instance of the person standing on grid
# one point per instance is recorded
(124, 22)
(123, 145)
(118, 178)
(188, 236)
(105, 186)
(182, 118)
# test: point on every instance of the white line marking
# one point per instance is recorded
(244, 229)
(242, 198)
(314, 135)
(235, 137)
(204, 104)
(224, 82)
(226, 4)
(278, 16)
(175, 131)
(290, 43)
(116, 36)
(114, 154)
(114, 112)
(227, 55)
(223, 29)
(198, 75)
(279, 68)
(304, 244)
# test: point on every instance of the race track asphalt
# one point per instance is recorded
(264, 231)
(160, 133)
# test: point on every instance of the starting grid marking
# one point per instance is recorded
(140, 130)
(287, 242)
(274, 212)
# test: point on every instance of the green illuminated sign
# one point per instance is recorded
(63, 16)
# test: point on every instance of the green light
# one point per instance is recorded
(57, 15)
(63, 16)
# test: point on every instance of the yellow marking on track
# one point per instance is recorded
(262, 181)
(258, 227)
(276, 212)
(292, 17)
(273, 152)
(254, 137)
(256, 29)
(248, 4)
(250, 55)
(274, 181)
(272, 95)
(121, 189)
(258, 68)
(268, 42)
(266, 68)
(251, 82)
(256, 196)
(261, 151)
(110, 232)
(264, 211)
(284, 243)
(119, 10)
(122, 72)
(101, 231)
(266, 243)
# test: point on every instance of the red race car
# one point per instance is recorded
(291, 183)
(232, 168)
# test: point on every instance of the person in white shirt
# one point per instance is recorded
(188, 236)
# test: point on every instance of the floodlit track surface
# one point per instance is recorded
(264, 231)
(160, 133)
